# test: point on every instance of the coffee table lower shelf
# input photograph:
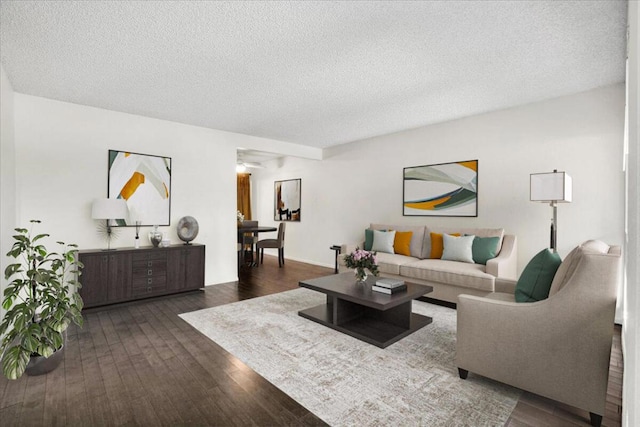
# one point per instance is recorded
(367, 327)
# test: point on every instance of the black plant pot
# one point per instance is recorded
(40, 365)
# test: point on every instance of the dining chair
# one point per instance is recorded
(249, 239)
(273, 244)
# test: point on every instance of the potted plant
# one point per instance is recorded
(41, 300)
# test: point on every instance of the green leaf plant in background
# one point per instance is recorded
(41, 300)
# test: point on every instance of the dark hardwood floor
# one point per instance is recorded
(140, 364)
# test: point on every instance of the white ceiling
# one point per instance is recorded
(312, 73)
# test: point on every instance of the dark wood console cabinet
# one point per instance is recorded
(129, 274)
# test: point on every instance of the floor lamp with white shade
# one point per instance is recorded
(553, 188)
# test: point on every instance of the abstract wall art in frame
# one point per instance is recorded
(144, 181)
(444, 189)
(287, 200)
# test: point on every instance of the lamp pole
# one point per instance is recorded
(554, 226)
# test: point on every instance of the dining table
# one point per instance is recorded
(254, 230)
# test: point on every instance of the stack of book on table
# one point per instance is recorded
(389, 286)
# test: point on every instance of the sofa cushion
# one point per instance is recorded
(536, 278)
(484, 248)
(402, 243)
(437, 244)
(417, 237)
(383, 241)
(390, 263)
(479, 232)
(368, 239)
(451, 272)
(458, 248)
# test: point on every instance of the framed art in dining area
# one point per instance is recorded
(444, 189)
(144, 181)
(287, 196)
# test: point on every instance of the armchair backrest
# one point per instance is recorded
(570, 263)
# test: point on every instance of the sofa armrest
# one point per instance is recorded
(521, 344)
(504, 285)
(347, 248)
(506, 263)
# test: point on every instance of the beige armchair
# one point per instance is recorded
(558, 347)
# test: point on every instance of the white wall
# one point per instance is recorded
(361, 182)
(631, 325)
(61, 155)
(8, 177)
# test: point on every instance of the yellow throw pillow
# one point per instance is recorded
(437, 244)
(402, 242)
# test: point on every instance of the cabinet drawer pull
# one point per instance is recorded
(149, 272)
(150, 263)
(149, 289)
(149, 281)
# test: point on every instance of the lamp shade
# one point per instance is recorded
(109, 209)
(550, 187)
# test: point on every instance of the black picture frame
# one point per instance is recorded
(287, 199)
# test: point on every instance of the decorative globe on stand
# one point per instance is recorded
(187, 229)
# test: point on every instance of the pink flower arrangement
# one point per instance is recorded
(361, 259)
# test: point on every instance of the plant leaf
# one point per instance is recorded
(11, 270)
(45, 350)
(14, 362)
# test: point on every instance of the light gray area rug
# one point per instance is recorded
(347, 382)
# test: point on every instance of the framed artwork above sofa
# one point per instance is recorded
(443, 189)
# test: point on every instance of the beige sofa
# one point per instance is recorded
(558, 347)
(448, 278)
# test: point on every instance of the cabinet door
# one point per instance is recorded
(94, 279)
(185, 268)
(194, 273)
(119, 288)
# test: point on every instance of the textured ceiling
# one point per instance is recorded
(312, 73)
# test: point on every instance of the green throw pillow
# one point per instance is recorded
(484, 248)
(535, 281)
(368, 239)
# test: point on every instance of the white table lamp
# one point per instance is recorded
(109, 209)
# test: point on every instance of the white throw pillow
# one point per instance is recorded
(383, 241)
(458, 248)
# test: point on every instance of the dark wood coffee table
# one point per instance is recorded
(356, 310)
